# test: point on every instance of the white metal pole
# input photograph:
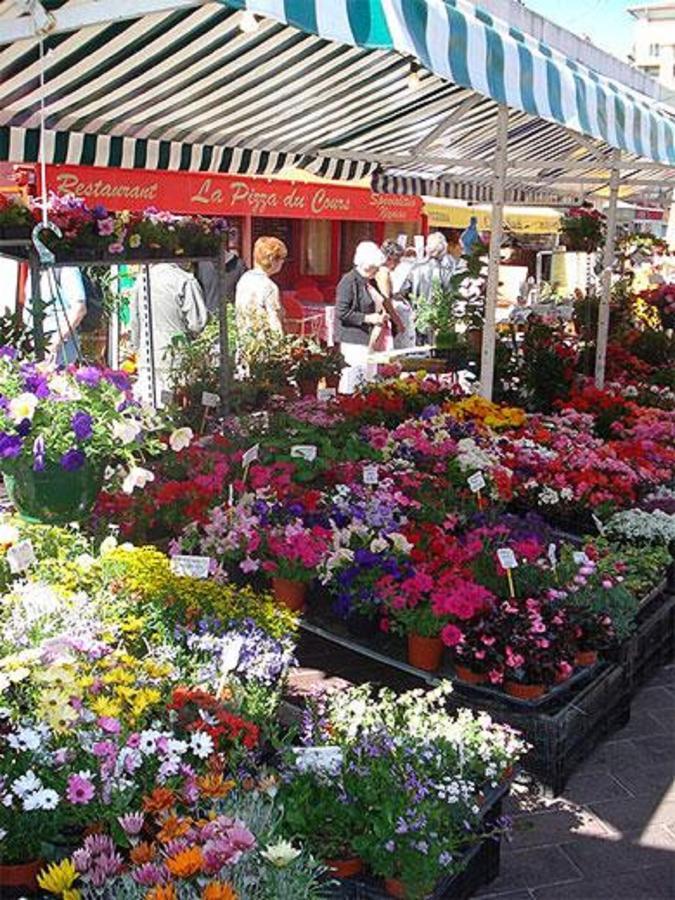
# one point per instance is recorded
(606, 282)
(487, 367)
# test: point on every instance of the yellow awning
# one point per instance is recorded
(525, 220)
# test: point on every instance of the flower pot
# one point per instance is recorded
(21, 875)
(332, 381)
(53, 496)
(309, 387)
(395, 888)
(362, 626)
(468, 675)
(524, 691)
(586, 657)
(345, 868)
(425, 652)
(292, 594)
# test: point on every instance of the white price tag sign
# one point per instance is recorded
(250, 456)
(210, 400)
(319, 759)
(326, 394)
(304, 451)
(580, 558)
(229, 658)
(552, 557)
(507, 558)
(166, 397)
(476, 482)
(598, 524)
(20, 557)
(370, 475)
(191, 566)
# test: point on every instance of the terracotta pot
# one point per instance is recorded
(332, 381)
(524, 691)
(586, 657)
(308, 388)
(468, 675)
(21, 875)
(292, 594)
(395, 888)
(345, 868)
(425, 652)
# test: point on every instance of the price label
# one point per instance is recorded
(210, 400)
(319, 759)
(507, 558)
(251, 455)
(326, 394)
(476, 482)
(580, 558)
(370, 475)
(20, 557)
(598, 524)
(191, 566)
(229, 658)
(166, 397)
(552, 557)
(304, 451)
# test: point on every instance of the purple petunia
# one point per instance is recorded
(73, 459)
(39, 454)
(23, 428)
(8, 352)
(81, 423)
(118, 379)
(10, 445)
(89, 375)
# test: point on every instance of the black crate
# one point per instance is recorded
(563, 736)
(481, 866)
(652, 644)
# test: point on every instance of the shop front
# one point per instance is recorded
(321, 222)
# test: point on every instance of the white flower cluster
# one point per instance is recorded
(29, 789)
(639, 526)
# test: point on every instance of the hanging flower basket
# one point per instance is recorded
(53, 496)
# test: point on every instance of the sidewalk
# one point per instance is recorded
(610, 836)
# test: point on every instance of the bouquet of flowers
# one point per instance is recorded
(583, 229)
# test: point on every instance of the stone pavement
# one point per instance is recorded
(610, 836)
(612, 833)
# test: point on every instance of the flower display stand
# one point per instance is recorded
(481, 866)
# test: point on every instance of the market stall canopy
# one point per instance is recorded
(329, 85)
(521, 219)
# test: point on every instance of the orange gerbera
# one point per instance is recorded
(159, 800)
(162, 892)
(143, 853)
(174, 827)
(218, 890)
(215, 786)
(186, 863)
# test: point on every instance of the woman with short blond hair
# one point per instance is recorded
(257, 304)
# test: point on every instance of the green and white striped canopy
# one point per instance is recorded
(320, 84)
(463, 44)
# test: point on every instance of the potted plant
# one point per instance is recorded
(293, 554)
(582, 229)
(16, 219)
(60, 429)
(311, 363)
(412, 614)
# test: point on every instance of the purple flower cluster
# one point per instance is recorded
(97, 860)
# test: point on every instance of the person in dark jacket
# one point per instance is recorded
(207, 275)
(356, 305)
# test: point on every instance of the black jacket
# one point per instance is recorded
(352, 304)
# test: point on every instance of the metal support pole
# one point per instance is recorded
(223, 338)
(487, 367)
(607, 259)
(148, 324)
(37, 306)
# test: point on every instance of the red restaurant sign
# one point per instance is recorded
(234, 195)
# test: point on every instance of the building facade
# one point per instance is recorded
(654, 42)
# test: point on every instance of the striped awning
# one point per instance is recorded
(322, 85)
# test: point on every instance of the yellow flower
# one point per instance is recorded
(104, 706)
(59, 878)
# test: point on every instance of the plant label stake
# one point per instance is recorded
(209, 401)
(598, 524)
(476, 484)
(552, 558)
(580, 558)
(507, 560)
(166, 397)
(370, 475)
(20, 557)
(191, 566)
(304, 451)
(250, 456)
(229, 660)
